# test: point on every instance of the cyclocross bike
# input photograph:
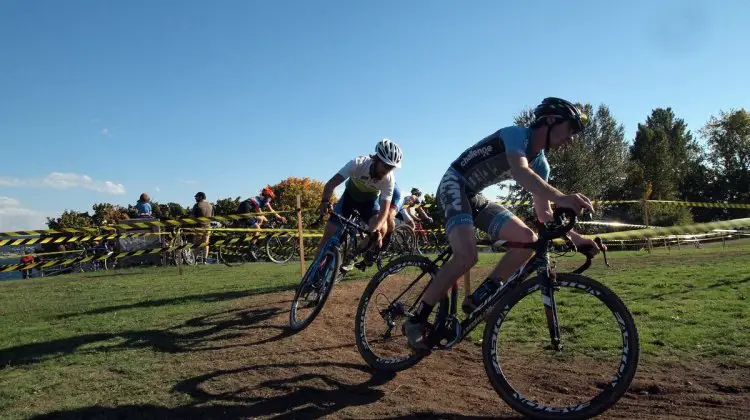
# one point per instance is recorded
(317, 282)
(553, 324)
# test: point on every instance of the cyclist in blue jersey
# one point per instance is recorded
(510, 153)
(369, 189)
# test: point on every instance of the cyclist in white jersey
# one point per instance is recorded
(510, 153)
(369, 179)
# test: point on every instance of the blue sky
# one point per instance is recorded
(102, 100)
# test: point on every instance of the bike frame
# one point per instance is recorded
(539, 263)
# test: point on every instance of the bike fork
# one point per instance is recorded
(550, 308)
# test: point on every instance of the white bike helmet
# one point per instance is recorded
(389, 153)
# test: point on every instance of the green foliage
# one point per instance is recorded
(226, 206)
(728, 139)
(310, 192)
(109, 214)
(71, 219)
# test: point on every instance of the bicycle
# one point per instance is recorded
(508, 310)
(323, 272)
(426, 240)
(280, 248)
(94, 251)
(403, 241)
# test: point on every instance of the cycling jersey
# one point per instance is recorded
(478, 167)
(412, 202)
(361, 187)
(486, 163)
(396, 202)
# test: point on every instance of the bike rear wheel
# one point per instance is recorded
(280, 249)
(584, 377)
(388, 300)
(314, 289)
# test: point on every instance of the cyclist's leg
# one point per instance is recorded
(459, 228)
(500, 224)
(390, 226)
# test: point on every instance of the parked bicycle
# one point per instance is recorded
(581, 329)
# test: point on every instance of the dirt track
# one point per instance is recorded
(252, 367)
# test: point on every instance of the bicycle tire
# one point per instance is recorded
(609, 395)
(403, 242)
(360, 327)
(332, 264)
(286, 244)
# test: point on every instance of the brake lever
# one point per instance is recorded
(603, 249)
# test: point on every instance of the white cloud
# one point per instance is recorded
(14, 217)
(63, 181)
(105, 131)
(157, 189)
(8, 202)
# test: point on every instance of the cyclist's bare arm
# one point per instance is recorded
(331, 185)
(422, 213)
(528, 179)
(271, 210)
(524, 175)
(543, 209)
(382, 220)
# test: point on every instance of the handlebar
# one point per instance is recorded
(563, 220)
(589, 252)
(342, 219)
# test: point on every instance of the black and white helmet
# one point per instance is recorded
(389, 153)
(562, 110)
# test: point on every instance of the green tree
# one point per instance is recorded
(728, 139)
(664, 155)
(226, 206)
(310, 191)
(71, 219)
(108, 214)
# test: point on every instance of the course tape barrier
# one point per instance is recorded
(674, 230)
(74, 239)
(191, 221)
(614, 224)
(88, 258)
(143, 224)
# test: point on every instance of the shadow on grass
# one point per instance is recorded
(204, 297)
(283, 391)
(190, 336)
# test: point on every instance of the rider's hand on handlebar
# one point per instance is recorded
(324, 208)
(576, 202)
(587, 245)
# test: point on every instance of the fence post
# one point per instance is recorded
(301, 239)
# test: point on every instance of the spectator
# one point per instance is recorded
(143, 206)
(27, 259)
(203, 208)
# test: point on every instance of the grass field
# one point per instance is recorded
(123, 337)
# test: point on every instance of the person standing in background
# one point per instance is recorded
(203, 208)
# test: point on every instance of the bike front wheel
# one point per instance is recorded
(314, 289)
(584, 374)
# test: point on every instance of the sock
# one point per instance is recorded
(423, 311)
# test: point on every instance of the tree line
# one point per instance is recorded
(664, 159)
